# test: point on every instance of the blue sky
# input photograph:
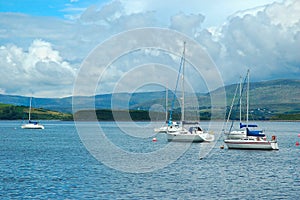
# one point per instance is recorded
(43, 43)
(35, 7)
(55, 8)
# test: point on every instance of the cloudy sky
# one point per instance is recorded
(43, 43)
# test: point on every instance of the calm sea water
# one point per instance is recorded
(54, 164)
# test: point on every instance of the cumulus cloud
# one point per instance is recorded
(37, 71)
(103, 15)
(114, 18)
(286, 14)
(266, 44)
(188, 24)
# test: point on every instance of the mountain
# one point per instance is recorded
(267, 99)
(275, 94)
(56, 104)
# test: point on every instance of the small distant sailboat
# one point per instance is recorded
(246, 138)
(31, 124)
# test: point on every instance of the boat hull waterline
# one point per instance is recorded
(32, 126)
(187, 137)
(255, 145)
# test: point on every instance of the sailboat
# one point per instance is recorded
(246, 138)
(186, 131)
(31, 124)
(170, 125)
(239, 133)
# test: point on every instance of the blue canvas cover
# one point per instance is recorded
(255, 133)
(249, 125)
(33, 122)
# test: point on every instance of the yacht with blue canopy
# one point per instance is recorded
(247, 138)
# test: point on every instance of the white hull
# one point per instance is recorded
(189, 137)
(32, 126)
(251, 144)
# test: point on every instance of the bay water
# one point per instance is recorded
(55, 163)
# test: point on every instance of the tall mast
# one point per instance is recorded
(167, 103)
(29, 109)
(240, 99)
(182, 77)
(247, 116)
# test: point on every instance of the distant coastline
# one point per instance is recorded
(11, 112)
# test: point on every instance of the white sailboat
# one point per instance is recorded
(170, 126)
(31, 124)
(186, 132)
(193, 134)
(236, 133)
(250, 139)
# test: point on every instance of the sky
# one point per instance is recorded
(43, 44)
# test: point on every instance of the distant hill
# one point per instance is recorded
(271, 99)
(56, 104)
(11, 112)
(103, 101)
(268, 100)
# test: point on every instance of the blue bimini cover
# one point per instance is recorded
(255, 133)
(249, 125)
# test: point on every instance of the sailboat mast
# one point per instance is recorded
(29, 113)
(247, 116)
(182, 77)
(167, 103)
(240, 99)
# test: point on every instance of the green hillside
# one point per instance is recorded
(273, 99)
(11, 112)
(269, 100)
(277, 99)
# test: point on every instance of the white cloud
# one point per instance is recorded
(286, 14)
(216, 11)
(268, 45)
(105, 14)
(34, 71)
(188, 24)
